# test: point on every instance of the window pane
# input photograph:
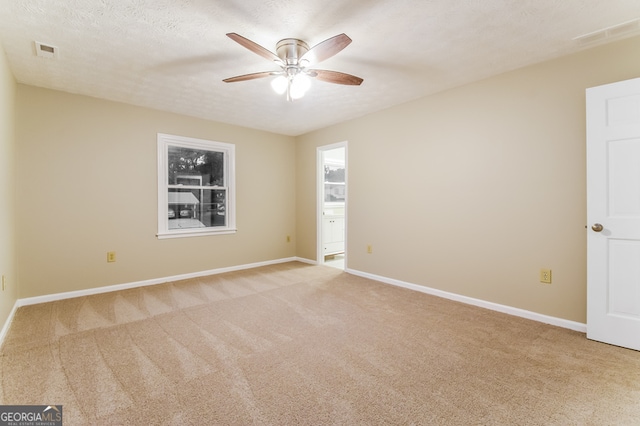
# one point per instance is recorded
(189, 166)
(196, 208)
(214, 207)
(333, 173)
(334, 188)
(334, 192)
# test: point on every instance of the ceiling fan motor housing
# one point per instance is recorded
(290, 50)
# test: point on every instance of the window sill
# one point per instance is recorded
(193, 233)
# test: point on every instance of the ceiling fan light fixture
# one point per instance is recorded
(279, 84)
(300, 84)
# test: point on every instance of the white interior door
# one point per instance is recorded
(613, 213)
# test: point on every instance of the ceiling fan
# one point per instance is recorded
(294, 58)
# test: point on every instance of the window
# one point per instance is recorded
(196, 194)
(334, 187)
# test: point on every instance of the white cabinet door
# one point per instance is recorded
(333, 235)
(613, 213)
(337, 230)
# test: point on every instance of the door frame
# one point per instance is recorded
(320, 197)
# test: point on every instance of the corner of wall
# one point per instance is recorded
(8, 283)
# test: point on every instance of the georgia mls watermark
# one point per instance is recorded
(30, 415)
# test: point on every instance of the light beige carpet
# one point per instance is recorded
(295, 344)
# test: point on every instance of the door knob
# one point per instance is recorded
(597, 227)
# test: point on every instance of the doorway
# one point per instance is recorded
(332, 204)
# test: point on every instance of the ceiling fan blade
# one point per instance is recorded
(254, 47)
(336, 77)
(326, 49)
(252, 76)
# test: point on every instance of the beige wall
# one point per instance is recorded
(470, 191)
(475, 189)
(86, 184)
(7, 235)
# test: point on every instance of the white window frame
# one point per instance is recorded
(164, 141)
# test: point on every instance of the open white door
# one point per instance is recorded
(613, 213)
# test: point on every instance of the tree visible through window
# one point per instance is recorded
(195, 191)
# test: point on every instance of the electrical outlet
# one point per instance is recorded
(288, 238)
(545, 276)
(369, 248)
(111, 256)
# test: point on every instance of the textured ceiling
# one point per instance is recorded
(173, 54)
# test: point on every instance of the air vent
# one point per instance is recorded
(625, 29)
(46, 50)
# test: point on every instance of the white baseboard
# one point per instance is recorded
(106, 289)
(126, 286)
(572, 325)
(7, 323)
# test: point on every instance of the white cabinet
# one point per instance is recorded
(333, 234)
